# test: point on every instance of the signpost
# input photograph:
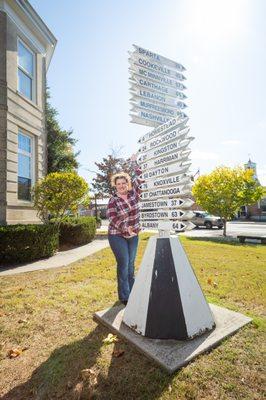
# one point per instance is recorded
(156, 87)
(166, 301)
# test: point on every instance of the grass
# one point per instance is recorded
(49, 313)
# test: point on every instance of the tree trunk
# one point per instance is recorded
(224, 231)
(96, 208)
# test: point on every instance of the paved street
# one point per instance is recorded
(233, 229)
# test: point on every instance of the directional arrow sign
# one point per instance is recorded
(179, 190)
(154, 57)
(157, 76)
(171, 147)
(166, 181)
(164, 139)
(168, 225)
(166, 214)
(152, 118)
(159, 98)
(173, 123)
(180, 156)
(153, 85)
(166, 203)
(163, 171)
(154, 108)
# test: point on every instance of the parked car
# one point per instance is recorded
(202, 218)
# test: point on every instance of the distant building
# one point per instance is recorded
(255, 211)
(26, 49)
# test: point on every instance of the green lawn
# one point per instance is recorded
(49, 314)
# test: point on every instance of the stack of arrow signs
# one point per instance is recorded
(156, 86)
(164, 160)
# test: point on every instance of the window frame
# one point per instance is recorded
(32, 157)
(32, 77)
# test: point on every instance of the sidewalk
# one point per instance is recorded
(60, 259)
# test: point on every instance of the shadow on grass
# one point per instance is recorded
(224, 240)
(130, 376)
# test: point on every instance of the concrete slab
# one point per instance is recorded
(174, 354)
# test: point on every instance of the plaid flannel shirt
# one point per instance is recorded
(121, 213)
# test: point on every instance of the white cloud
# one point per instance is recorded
(204, 155)
(231, 142)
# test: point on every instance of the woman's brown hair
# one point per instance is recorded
(121, 175)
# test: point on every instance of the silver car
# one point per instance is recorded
(202, 218)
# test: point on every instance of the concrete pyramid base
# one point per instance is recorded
(174, 354)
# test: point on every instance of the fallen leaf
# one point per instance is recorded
(209, 281)
(13, 353)
(110, 339)
(118, 353)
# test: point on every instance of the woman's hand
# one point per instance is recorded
(130, 231)
(133, 157)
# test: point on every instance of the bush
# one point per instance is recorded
(21, 243)
(77, 231)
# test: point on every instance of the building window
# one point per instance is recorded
(25, 166)
(26, 66)
(263, 204)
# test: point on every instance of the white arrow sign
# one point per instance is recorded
(176, 145)
(153, 85)
(154, 57)
(180, 156)
(167, 170)
(157, 107)
(166, 203)
(180, 190)
(168, 225)
(171, 124)
(165, 138)
(166, 181)
(149, 118)
(166, 214)
(157, 76)
(153, 108)
(159, 98)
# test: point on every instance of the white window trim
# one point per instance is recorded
(32, 77)
(32, 154)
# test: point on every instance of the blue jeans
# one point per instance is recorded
(125, 251)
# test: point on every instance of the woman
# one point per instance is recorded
(124, 226)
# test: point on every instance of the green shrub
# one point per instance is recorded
(22, 243)
(77, 231)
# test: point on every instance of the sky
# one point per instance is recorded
(221, 44)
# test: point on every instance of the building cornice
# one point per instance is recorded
(27, 20)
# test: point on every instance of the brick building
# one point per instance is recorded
(26, 49)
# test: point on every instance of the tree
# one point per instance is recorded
(60, 143)
(225, 190)
(110, 165)
(59, 192)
